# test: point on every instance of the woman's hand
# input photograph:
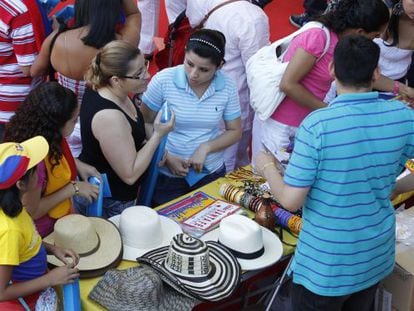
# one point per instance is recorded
(85, 170)
(63, 254)
(262, 161)
(199, 157)
(62, 275)
(177, 165)
(88, 191)
(162, 129)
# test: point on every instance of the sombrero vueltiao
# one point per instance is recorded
(203, 270)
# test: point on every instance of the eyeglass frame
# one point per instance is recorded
(147, 64)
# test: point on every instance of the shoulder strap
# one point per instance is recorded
(307, 26)
(213, 10)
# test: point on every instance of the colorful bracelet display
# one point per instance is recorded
(283, 218)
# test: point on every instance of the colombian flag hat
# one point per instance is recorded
(17, 158)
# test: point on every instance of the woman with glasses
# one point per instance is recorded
(112, 128)
(202, 97)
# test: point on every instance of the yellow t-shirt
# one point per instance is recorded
(19, 240)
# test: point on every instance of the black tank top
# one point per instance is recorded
(92, 154)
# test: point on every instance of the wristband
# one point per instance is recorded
(396, 89)
(266, 165)
(75, 187)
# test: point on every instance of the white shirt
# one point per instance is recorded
(246, 28)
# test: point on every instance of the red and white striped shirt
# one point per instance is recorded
(17, 48)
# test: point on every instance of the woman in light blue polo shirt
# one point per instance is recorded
(201, 97)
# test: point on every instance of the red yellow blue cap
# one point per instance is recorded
(17, 158)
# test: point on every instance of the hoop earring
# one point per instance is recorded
(398, 9)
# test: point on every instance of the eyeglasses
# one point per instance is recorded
(142, 75)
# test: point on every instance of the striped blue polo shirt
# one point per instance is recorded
(197, 119)
(349, 154)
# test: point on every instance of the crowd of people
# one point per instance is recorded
(79, 102)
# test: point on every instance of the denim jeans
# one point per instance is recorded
(303, 299)
(169, 188)
(110, 207)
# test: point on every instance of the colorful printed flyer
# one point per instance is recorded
(184, 209)
(210, 216)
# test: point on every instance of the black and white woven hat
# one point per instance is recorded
(203, 270)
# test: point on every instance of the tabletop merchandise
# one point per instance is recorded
(96, 240)
(138, 288)
(254, 246)
(142, 230)
(198, 269)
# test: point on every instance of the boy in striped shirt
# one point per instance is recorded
(342, 171)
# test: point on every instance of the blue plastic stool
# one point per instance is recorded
(95, 208)
(71, 296)
(148, 186)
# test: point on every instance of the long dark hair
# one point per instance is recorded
(10, 201)
(101, 16)
(393, 25)
(44, 112)
(370, 15)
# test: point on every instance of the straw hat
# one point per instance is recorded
(204, 270)
(138, 288)
(96, 240)
(142, 230)
(254, 246)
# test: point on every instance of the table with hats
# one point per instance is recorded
(177, 271)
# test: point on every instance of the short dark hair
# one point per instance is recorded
(355, 59)
(208, 43)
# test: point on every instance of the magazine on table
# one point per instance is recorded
(209, 217)
(187, 207)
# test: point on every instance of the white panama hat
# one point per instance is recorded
(142, 230)
(254, 246)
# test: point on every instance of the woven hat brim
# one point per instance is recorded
(105, 294)
(220, 283)
(169, 228)
(108, 252)
(273, 250)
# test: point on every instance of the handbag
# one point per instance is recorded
(265, 69)
(176, 39)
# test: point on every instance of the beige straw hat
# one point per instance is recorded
(96, 240)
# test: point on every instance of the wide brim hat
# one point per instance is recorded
(222, 271)
(138, 288)
(271, 253)
(138, 241)
(97, 241)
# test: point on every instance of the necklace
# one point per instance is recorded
(125, 104)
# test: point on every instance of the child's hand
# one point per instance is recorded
(64, 253)
(88, 191)
(62, 275)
